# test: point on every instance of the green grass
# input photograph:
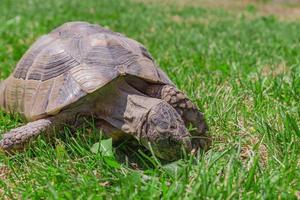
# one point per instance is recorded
(242, 70)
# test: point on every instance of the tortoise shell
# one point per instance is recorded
(70, 62)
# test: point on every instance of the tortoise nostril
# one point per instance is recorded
(173, 126)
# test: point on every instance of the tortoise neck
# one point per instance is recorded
(124, 107)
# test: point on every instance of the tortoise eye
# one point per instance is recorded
(161, 125)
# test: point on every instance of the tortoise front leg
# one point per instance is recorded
(188, 111)
(16, 139)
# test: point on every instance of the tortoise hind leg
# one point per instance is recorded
(188, 111)
(18, 138)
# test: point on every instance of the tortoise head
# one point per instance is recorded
(165, 133)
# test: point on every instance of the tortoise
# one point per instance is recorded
(81, 70)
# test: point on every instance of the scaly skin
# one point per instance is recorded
(161, 130)
(164, 131)
(16, 139)
(188, 111)
(152, 121)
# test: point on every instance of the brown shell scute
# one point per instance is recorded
(30, 56)
(52, 64)
(71, 29)
(2, 97)
(70, 62)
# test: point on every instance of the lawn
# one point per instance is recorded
(238, 60)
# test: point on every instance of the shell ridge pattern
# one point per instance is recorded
(34, 101)
(42, 101)
(72, 61)
(26, 62)
(124, 58)
(53, 62)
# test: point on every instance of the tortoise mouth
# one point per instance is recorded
(169, 148)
